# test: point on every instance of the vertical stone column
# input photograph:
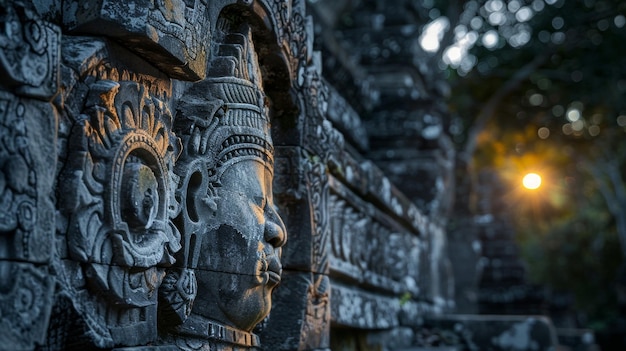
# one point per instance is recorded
(303, 300)
(29, 65)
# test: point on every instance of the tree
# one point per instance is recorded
(543, 83)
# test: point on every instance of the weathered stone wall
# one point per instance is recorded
(395, 104)
(165, 164)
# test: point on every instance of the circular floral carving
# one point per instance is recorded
(119, 190)
(122, 184)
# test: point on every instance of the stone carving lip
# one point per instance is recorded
(274, 270)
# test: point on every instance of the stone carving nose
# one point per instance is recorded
(275, 233)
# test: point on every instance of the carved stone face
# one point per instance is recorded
(239, 263)
(231, 232)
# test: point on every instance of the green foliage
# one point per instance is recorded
(584, 66)
(406, 297)
(576, 252)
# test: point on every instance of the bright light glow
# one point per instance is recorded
(532, 181)
(497, 18)
(573, 115)
(494, 5)
(524, 14)
(457, 55)
(490, 39)
(433, 33)
(454, 55)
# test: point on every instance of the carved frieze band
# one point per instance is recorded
(371, 250)
(360, 309)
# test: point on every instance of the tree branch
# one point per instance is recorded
(488, 109)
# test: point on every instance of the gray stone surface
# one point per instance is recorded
(211, 175)
(172, 35)
(231, 231)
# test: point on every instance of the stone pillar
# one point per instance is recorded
(29, 65)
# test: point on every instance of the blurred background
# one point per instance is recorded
(540, 87)
(535, 95)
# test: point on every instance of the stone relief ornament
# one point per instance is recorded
(172, 35)
(317, 318)
(26, 223)
(29, 65)
(231, 233)
(117, 192)
(29, 51)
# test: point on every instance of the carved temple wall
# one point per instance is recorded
(135, 138)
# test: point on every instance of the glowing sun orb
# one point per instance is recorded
(532, 181)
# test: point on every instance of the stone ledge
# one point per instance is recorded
(501, 332)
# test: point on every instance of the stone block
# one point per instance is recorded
(301, 306)
(173, 35)
(25, 302)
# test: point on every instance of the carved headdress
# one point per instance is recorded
(224, 119)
